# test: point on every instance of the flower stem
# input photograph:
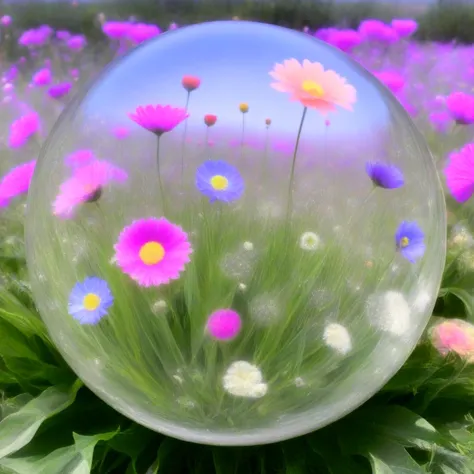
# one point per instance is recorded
(185, 133)
(293, 164)
(160, 181)
(242, 137)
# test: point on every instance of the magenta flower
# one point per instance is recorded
(60, 90)
(152, 251)
(121, 132)
(16, 181)
(345, 40)
(42, 77)
(22, 129)
(224, 324)
(63, 35)
(80, 158)
(76, 42)
(86, 185)
(404, 27)
(6, 20)
(461, 107)
(459, 173)
(140, 32)
(159, 119)
(116, 29)
(392, 80)
(35, 37)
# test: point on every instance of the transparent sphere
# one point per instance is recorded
(236, 235)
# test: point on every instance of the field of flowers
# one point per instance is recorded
(422, 421)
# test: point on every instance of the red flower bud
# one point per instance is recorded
(210, 120)
(190, 82)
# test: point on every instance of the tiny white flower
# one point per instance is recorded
(178, 378)
(310, 241)
(338, 338)
(159, 306)
(299, 382)
(113, 260)
(264, 309)
(248, 246)
(389, 312)
(243, 379)
(242, 286)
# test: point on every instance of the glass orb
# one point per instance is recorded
(236, 235)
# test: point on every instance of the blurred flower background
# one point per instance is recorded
(422, 421)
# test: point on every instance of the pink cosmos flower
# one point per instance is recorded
(461, 107)
(313, 86)
(23, 128)
(16, 181)
(459, 173)
(79, 158)
(85, 185)
(159, 119)
(454, 335)
(224, 324)
(152, 251)
(42, 77)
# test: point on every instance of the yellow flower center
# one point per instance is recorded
(219, 183)
(91, 302)
(313, 88)
(152, 253)
(404, 242)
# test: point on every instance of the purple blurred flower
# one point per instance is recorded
(346, 40)
(76, 42)
(173, 26)
(404, 27)
(116, 29)
(6, 20)
(393, 80)
(59, 90)
(440, 121)
(63, 35)
(461, 107)
(376, 30)
(384, 175)
(22, 129)
(121, 132)
(35, 36)
(11, 74)
(325, 33)
(74, 73)
(42, 77)
(141, 32)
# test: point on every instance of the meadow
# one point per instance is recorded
(421, 421)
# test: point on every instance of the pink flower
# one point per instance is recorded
(79, 158)
(85, 185)
(454, 335)
(121, 132)
(42, 77)
(159, 119)
(22, 129)
(461, 107)
(224, 324)
(459, 173)
(313, 86)
(140, 32)
(346, 40)
(392, 80)
(116, 29)
(404, 27)
(16, 181)
(152, 251)
(6, 20)
(76, 42)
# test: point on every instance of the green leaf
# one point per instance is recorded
(75, 459)
(466, 297)
(19, 428)
(388, 457)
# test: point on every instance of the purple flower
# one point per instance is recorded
(410, 241)
(141, 32)
(76, 42)
(42, 77)
(346, 40)
(219, 181)
(60, 90)
(6, 20)
(404, 27)
(63, 35)
(116, 29)
(384, 175)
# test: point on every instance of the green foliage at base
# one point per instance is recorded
(420, 422)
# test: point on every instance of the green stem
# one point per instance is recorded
(185, 133)
(160, 181)
(293, 164)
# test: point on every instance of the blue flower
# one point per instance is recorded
(384, 175)
(89, 300)
(219, 181)
(410, 241)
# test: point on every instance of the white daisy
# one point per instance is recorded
(243, 379)
(389, 312)
(338, 338)
(310, 241)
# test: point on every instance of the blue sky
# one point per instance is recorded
(233, 60)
